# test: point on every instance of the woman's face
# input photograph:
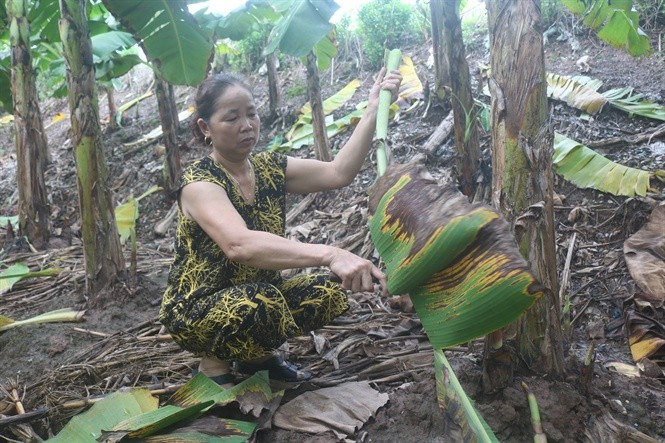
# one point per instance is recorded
(234, 126)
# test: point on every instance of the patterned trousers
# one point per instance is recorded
(251, 320)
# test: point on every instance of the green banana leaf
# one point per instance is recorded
(136, 414)
(588, 169)
(454, 401)
(325, 50)
(105, 44)
(6, 85)
(301, 27)
(624, 99)
(150, 422)
(105, 414)
(19, 271)
(173, 41)
(457, 261)
(240, 22)
(614, 21)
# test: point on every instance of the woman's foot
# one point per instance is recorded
(218, 371)
(277, 367)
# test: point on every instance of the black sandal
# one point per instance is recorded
(278, 369)
(222, 379)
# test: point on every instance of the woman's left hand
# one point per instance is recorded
(389, 81)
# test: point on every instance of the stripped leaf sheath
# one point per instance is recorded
(457, 405)
(539, 435)
(382, 152)
(457, 261)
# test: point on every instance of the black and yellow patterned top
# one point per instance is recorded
(200, 268)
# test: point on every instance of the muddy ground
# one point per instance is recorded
(55, 363)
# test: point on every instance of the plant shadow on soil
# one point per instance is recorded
(568, 408)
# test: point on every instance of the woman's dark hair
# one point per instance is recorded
(207, 95)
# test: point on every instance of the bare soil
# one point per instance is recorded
(55, 363)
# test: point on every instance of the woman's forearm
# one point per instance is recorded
(351, 157)
(268, 251)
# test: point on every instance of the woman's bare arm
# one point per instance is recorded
(209, 205)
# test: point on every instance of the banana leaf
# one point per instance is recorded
(411, 87)
(616, 22)
(136, 413)
(302, 27)
(105, 414)
(588, 169)
(150, 422)
(646, 337)
(178, 48)
(330, 105)
(457, 261)
(127, 214)
(454, 401)
(575, 93)
(57, 316)
(624, 99)
(19, 271)
(581, 92)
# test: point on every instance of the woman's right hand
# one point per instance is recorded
(356, 273)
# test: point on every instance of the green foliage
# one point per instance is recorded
(297, 90)
(344, 31)
(247, 54)
(616, 22)
(386, 24)
(474, 21)
(549, 11)
(178, 48)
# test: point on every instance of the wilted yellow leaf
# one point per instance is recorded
(59, 116)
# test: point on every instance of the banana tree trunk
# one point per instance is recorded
(169, 120)
(522, 166)
(31, 146)
(321, 145)
(113, 110)
(101, 244)
(466, 129)
(441, 68)
(273, 90)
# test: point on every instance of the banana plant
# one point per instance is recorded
(458, 262)
(305, 31)
(125, 217)
(173, 42)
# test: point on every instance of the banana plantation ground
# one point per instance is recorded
(120, 343)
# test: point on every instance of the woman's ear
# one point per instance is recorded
(203, 126)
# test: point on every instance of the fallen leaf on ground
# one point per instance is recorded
(341, 409)
(645, 257)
